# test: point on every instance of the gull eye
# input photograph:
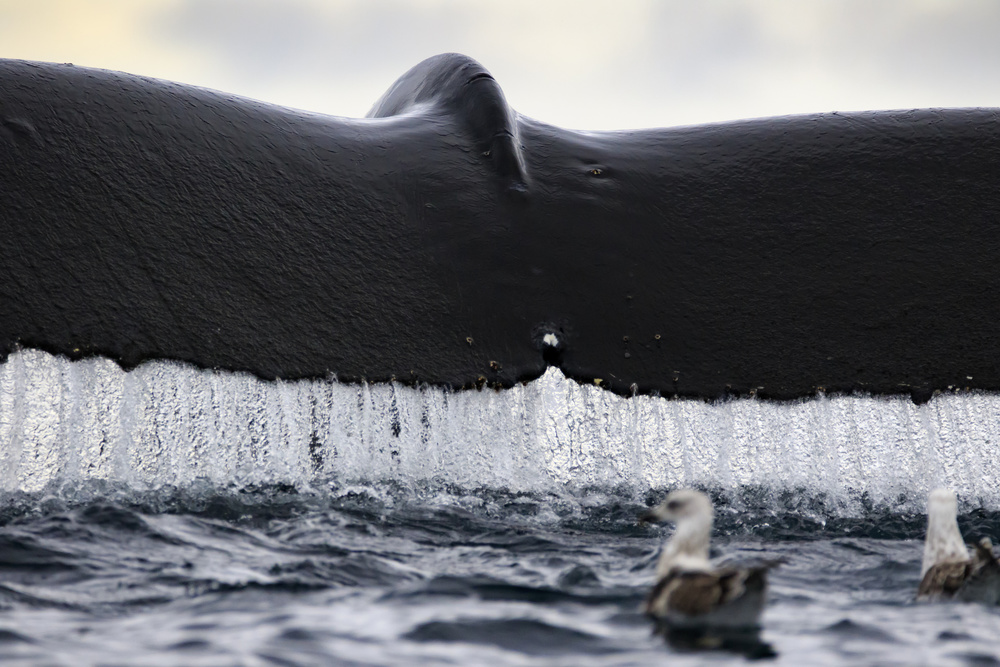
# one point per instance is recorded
(675, 505)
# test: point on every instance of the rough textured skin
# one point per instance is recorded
(145, 219)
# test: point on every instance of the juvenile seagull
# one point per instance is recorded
(948, 572)
(690, 592)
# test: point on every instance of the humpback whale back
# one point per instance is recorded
(444, 237)
(458, 85)
(145, 219)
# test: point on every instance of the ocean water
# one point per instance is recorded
(174, 516)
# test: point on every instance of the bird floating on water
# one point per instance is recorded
(691, 592)
(948, 570)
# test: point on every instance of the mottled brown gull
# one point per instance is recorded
(948, 570)
(691, 591)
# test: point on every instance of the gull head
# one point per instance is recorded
(680, 506)
(942, 503)
(687, 548)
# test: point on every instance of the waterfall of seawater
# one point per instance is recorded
(65, 424)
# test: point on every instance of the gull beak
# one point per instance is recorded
(649, 516)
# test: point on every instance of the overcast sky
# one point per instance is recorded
(580, 63)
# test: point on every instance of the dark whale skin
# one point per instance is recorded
(441, 238)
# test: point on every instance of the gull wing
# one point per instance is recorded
(974, 580)
(730, 597)
(943, 580)
(983, 582)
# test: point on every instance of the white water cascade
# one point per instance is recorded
(167, 423)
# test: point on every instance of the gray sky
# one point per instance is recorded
(580, 64)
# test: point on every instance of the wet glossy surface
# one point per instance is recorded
(378, 576)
